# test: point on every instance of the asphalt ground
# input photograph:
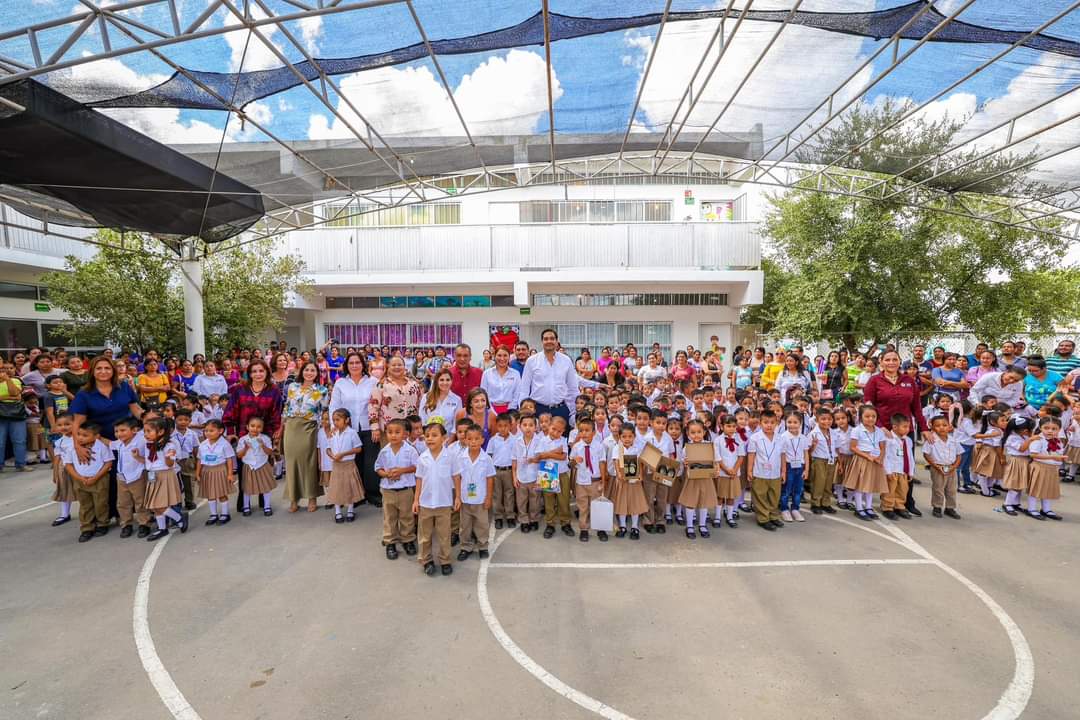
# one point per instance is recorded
(294, 616)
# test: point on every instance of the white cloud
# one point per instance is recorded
(253, 52)
(310, 31)
(502, 95)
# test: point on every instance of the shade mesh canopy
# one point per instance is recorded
(394, 102)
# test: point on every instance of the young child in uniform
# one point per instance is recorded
(474, 483)
(730, 462)
(91, 487)
(162, 482)
(1047, 454)
(215, 471)
(1015, 441)
(254, 451)
(396, 466)
(557, 505)
(524, 463)
(590, 458)
(943, 455)
(899, 465)
(344, 488)
(822, 464)
(1073, 448)
(841, 442)
(629, 493)
(65, 485)
(698, 494)
(501, 448)
(763, 455)
(322, 444)
(436, 497)
(866, 476)
(794, 457)
(187, 442)
(130, 448)
(656, 492)
(987, 464)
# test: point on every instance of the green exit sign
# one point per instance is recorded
(42, 307)
(525, 311)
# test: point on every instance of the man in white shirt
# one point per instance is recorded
(550, 379)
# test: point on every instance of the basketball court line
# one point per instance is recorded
(23, 512)
(707, 565)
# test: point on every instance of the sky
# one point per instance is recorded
(595, 80)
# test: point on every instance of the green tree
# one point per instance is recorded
(133, 294)
(849, 270)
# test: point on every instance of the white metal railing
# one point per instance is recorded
(731, 245)
(20, 232)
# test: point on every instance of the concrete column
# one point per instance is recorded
(191, 273)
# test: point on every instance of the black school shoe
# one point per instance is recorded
(583, 536)
(410, 548)
(212, 520)
(732, 523)
(601, 536)
(690, 534)
(157, 534)
(549, 532)
(339, 519)
(1051, 515)
(567, 531)
(703, 531)
(1036, 515)
(650, 529)
(767, 526)
(936, 512)
(429, 569)
(1009, 510)
(246, 512)
(391, 552)
(717, 522)
(660, 529)
(535, 525)
(447, 569)
(828, 509)
(889, 514)
(101, 531)
(224, 519)
(61, 520)
(526, 527)
(483, 554)
(454, 540)
(778, 524)
(635, 534)
(816, 510)
(86, 537)
(144, 530)
(498, 523)
(462, 556)
(126, 531)
(620, 533)
(951, 512)
(915, 511)
(511, 523)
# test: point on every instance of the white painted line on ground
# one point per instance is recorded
(160, 678)
(868, 527)
(709, 565)
(23, 512)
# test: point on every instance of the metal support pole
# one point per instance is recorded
(191, 271)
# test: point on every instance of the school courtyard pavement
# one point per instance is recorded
(296, 617)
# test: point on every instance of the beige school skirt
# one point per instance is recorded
(65, 486)
(1015, 476)
(1044, 482)
(727, 487)
(629, 498)
(698, 493)
(344, 487)
(1073, 454)
(865, 476)
(260, 481)
(985, 462)
(215, 482)
(164, 492)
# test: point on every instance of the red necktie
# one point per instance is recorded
(1053, 445)
(588, 458)
(742, 433)
(730, 443)
(907, 463)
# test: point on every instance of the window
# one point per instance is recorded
(597, 335)
(502, 301)
(18, 334)
(340, 214)
(335, 303)
(594, 211)
(394, 335)
(84, 336)
(478, 301)
(421, 301)
(448, 301)
(18, 291)
(367, 303)
(624, 299)
(395, 301)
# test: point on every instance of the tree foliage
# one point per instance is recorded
(133, 294)
(851, 269)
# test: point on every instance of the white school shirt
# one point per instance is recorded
(664, 444)
(942, 452)
(994, 440)
(869, 441)
(794, 448)
(823, 449)
(322, 442)
(127, 465)
(215, 453)
(158, 463)
(616, 455)
(526, 471)
(841, 440)
(588, 472)
(198, 417)
(930, 412)
(551, 445)
(186, 441)
(99, 455)
(446, 409)
(1038, 446)
(474, 475)
(895, 449)
(419, 446)
(344, 441)
(501, 450)
(726, 456)
(766, 455)
(1074, 433)
(437, 476)
(255, 456)
(1012, 446)
(61, 446)
(501, 389)
(603, 432)
(964, 432)
(403, 458)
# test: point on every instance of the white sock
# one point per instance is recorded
(1012, 497)
(703, 517)
(213, 506)
(858, 502)
(690, 517)
(1033, 504)
(266, 502)
(730, 512)
(680, 512)
(633, 521)
(1073, 469)
(337, 511)
(838, 491)
(719, 509)
(622, 521)
(667, 510)
(984, 484)
(223, 508)
(65, 509)
(160, 522)
(173, 514)
(1046, 506)
(44, 456)
(247, 501)
(868, 500)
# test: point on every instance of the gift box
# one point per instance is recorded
(666, 471)
(631, 469)
(700, 459)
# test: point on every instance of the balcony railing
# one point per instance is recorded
(19, 232)
(710, 246)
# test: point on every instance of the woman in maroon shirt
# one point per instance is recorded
(894, 393)
(258, 397)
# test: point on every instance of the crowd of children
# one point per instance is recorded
(659, 453)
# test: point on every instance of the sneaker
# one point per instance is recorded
(798, 516)
(786, 516)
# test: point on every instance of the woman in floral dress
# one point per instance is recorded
(396, 397)
(305, 407)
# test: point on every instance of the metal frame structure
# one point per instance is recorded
(120, 32)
